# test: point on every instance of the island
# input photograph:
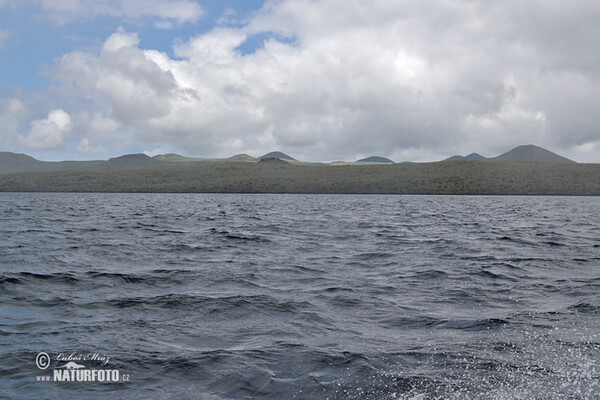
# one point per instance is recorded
(525, 170)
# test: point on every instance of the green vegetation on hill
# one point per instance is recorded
(13, 162)
(131, 161)
(277, 154)
(375, 159)
(528, 152)
(177, 159)
(458, 177)
(531, 152)
(242, 157)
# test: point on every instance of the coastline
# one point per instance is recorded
(441, 178)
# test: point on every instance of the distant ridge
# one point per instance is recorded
(475, 157)
(241, 157)
(132, 161)
(13, 162)
(376, 159)
(472, 156)
(175, 158)
(529, 152)
(455, 158)
(277, 154)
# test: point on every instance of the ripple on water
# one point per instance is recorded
(303, 296)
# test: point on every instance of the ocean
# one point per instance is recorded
(235, 296)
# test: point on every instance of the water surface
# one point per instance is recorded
(303, 296)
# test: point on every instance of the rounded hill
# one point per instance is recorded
(132, 161)
(376, 159)
(277, 154)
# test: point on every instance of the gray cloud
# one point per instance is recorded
(343, 79)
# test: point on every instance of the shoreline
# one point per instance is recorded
(437, 178)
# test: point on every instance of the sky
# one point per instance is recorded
(321, 80)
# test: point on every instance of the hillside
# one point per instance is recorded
(16, 163)
(475, 157)
(13, 162)
(131, 161)
(175, 158)
(529, 152)
(459, 177)
(172, 158)
(376, 159)
(277, 154)
(242, 157)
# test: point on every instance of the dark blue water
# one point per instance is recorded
(299, 296)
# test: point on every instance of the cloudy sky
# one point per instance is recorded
(321, 80)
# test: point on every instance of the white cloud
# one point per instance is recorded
(121, 39)
(162, 11)
(229, 17)
(100, 124)
(87, 146)
(49, 132)
(163, 25)
(335, 79)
